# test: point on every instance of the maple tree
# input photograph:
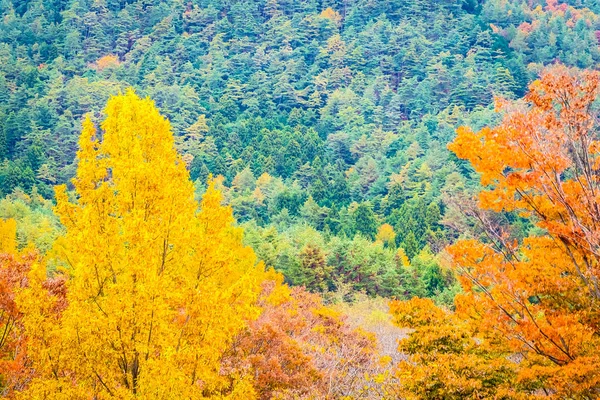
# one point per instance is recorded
(13, 370)
(12, 274)
(540, 295)
(299, 348)
(156, 290)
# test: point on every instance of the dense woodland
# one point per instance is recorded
(311, 199)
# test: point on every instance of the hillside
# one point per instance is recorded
(350, 139)
(325, 120)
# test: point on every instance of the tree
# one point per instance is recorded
(386, 234)
(315, 274)
(156, 291)
(243, 181)
(433, 279)
(446, 360)
(410, 245)
(365, 220)
(331, 15)
(191, 141)
(8, 236)
(299, 348)
(13, 368)
(540, 294)
(16, 369)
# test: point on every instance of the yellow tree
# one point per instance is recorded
(386, 234)
(156, 289)
(447, 358)
(332, 15)
(16, 370)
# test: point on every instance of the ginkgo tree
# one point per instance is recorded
(156, 289)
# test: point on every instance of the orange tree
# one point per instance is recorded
(533, 302)
(13, 270)
(541, 295)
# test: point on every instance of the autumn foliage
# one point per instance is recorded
(527, 323)
(107, 61)
(16, 368)
(152, 295)
(13, 272)
(331, 15)
(299, 348)
(448, 358)
(537, 301)
(149, 294)
(156, 291)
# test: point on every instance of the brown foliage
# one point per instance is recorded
(107, 61)
(299, 348)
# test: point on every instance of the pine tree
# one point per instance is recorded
(365, 220)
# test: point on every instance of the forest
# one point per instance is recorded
(299, 199)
